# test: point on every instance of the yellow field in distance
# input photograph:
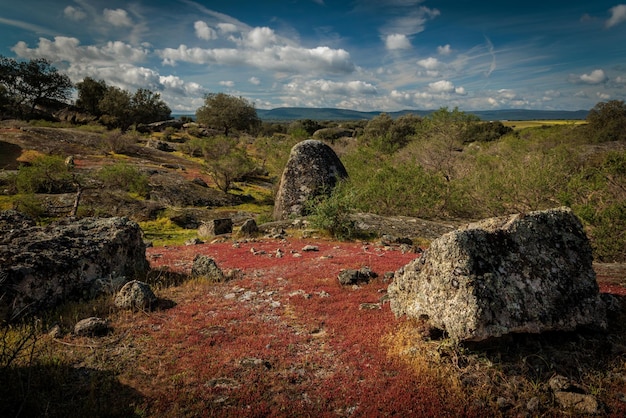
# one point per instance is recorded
(521, 124)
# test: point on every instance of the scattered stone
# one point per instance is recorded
(249, 228)
(533, 404)
(135, 295)
(313, 169)
(310, 248)
(518, 274)
(55, 332)
(194, 241)
(581, 403)
(370, 306)
(323, 294)
(215, 227)
(279, 253)
(160, 145)
(200, 182)
(92, 327)
(204, 266)
(44, 266)
(352, 277)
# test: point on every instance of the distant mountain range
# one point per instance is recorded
(296, 113)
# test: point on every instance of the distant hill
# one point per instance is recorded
(296, 113)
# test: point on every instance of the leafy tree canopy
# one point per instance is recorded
(28, 83)
(607, 121)
(225, 112)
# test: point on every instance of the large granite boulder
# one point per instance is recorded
(43, 266)
(313, 169)
(518, 274)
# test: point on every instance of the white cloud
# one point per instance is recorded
(441, 86)
(603, 96)
(429, 63)
(227, 28)
(444, 50)
(204, 31)
(254, 80)
(117, 17)
(227, 83)
(413, 19)
(69, 49)
(595, 77)
(460, 91)
(282, 58)
(618, 15)
(397, 41)
(328, 87)
(74, 13)
(620, 80)
(259, 38)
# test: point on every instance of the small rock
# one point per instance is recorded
(92, 327)
(350, 276)
(581, 403)
(135, 295)
(310, 248)
(55, 332)
(194, 241)
(204, 266)
(369, 306)
(533, 404)
(249, 228)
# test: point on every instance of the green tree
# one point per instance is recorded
(607, 121)
(115, 108)
(147, 107)
(226, 161)
(29, 83)
(90, 93)
(222, 111)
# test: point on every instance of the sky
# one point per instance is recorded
(367, 55)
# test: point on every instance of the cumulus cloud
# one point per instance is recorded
(594, 77)
(117, 17)
(204, 31)
(227, 28)
(460, 91)
(397, 41)
(328, 87)
(69, 49)
(618, 15)
(259, 38)
(429, 63)
(283, 58)
(603, 96)
(444, 50)
(441, 86)
(254, 80)
(227, 83)
(73, 13)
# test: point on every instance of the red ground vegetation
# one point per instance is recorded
(286, 339)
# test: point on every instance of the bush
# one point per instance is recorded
(46, 174)
(331, 212)
(124, 177)
(117, 142)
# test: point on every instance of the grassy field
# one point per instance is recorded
(521, 124)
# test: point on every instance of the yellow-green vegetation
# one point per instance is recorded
(163, 232)
(522, 124)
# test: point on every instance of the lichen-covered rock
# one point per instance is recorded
(135, 295)
(313, 168)
(519, 274)
(41, 267)
(204, 266)
(249, 228)
(215, 227)
(92, 327)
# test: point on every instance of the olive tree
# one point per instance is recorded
(90, 93)
(226, 112)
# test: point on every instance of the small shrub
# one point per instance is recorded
(46, 174)
(117, 142)
(124, 177)
(332, 213)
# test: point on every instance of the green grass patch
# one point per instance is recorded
(163, 232)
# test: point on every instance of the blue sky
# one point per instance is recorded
(360, 54)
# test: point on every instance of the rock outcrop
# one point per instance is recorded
(135, 295)
(519, 274)
(41, 267)
(313, 168)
